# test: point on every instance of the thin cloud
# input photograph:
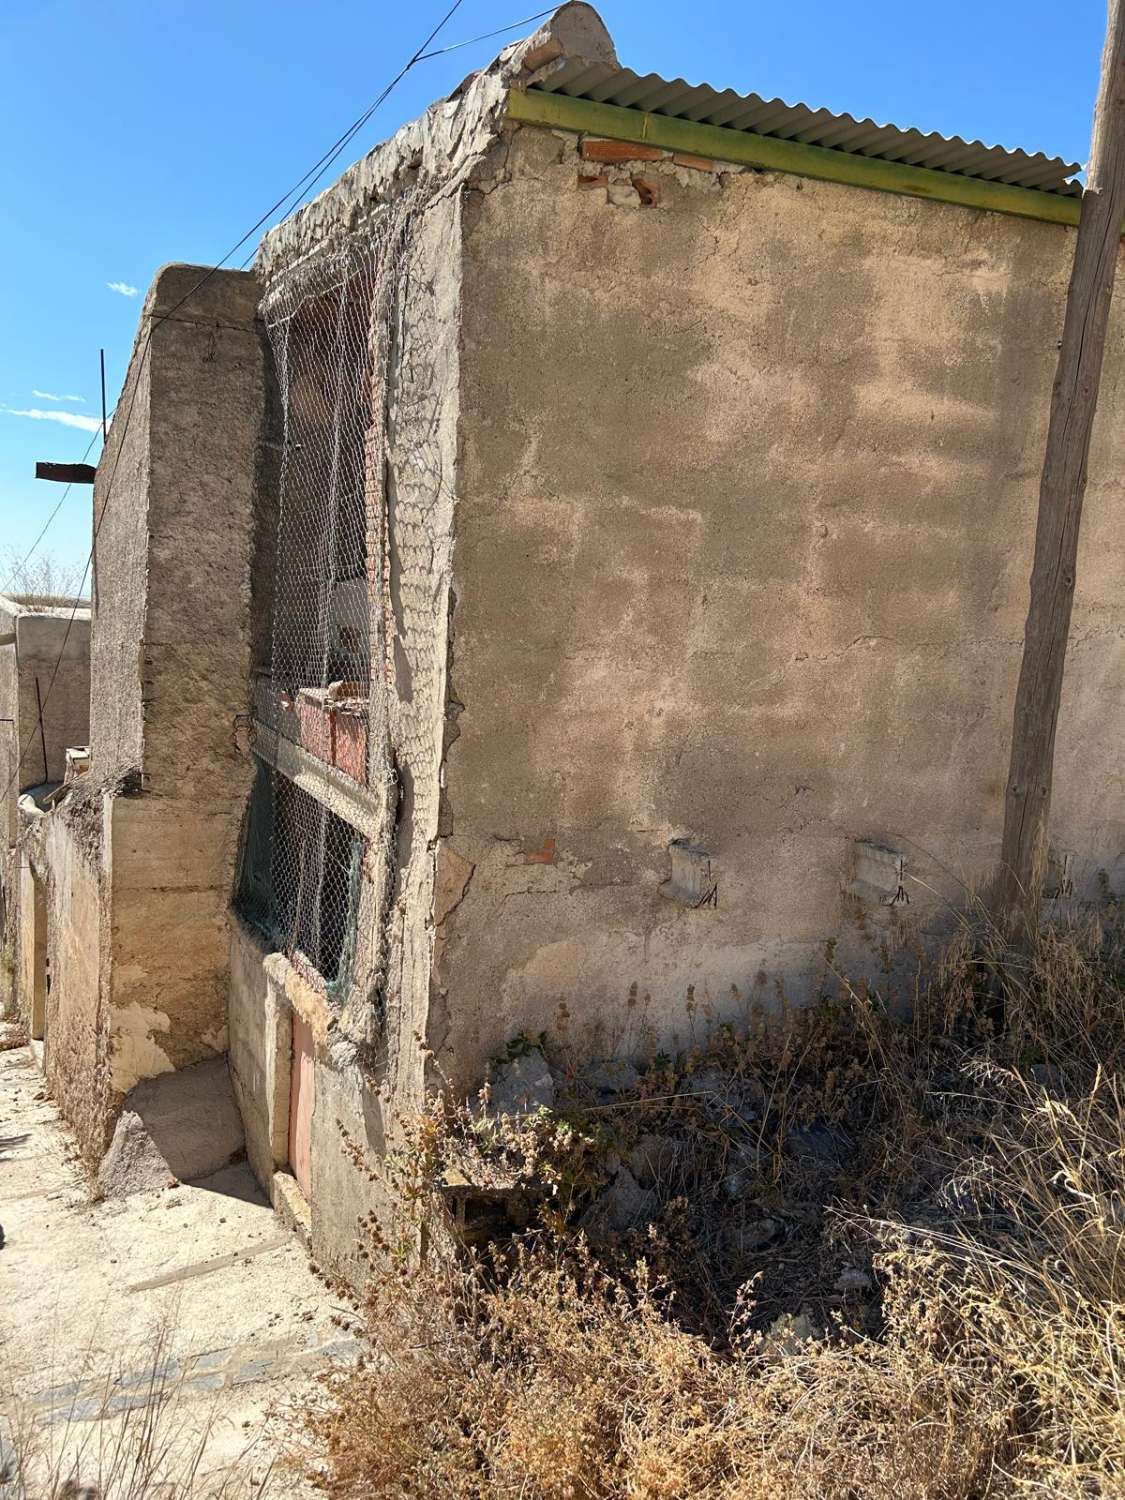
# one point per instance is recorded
(123, 287)
(48, 396)
(66, 418)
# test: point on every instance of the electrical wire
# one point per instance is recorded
(486, 35)
(291, 196)
(19, 567)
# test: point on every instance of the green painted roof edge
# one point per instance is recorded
(745, 148)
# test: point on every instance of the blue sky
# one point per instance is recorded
(143, 131)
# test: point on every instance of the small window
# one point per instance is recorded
(299, 875)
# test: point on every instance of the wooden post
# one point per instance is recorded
(1062, 488)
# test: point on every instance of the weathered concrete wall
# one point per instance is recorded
(259, 1057)
(76, 1033)
(54, 652)
(9, 731)
(745, 513)
(168, 887)
(347, 1117)
(154, 828)
(208, 406)
(44, 661)
(390, 974)
(182, 545)
(120, 567)
(9, 855)
(423, 439)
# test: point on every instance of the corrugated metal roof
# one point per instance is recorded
(651, 94)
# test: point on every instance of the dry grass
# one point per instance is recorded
(124, 1438)
(977, 1202)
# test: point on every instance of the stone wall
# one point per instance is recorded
(746, 501)
(157, 819)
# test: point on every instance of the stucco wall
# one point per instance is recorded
(55, 651)
(50, 648)
(120, 568)
(746, 502)
(168, 887)
(423, 439)
(172, 649)
(140, 856)
(259, 1057)
(76, 1032)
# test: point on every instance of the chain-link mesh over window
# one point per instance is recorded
(286, 830)
(327, 320)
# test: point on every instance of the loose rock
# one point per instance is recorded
(652, 1159)
(522, 1085)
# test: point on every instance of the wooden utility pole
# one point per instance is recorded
(1063, 486)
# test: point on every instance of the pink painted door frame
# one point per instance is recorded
(301, 1105)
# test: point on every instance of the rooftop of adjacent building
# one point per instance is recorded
(56, 606)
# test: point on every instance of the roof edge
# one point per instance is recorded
(440, 150)
(532, 106)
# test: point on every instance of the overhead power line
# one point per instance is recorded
(291, 199)
(19, 567)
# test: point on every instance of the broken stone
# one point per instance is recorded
(522, 1085)
(613, 1075)
(133, 1163)
(789, 1334)
(623, 1205)
(751, 1237)
(819, 1147)
(652, 1159)
(12, 1035)
(622, 195)
(726, 1094)
(851, 1280)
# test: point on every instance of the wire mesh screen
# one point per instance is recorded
(328, 321)
(287, 829)
(319, 325)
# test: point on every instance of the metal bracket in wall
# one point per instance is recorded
(694, 879)
(66, 473)
(878, 874)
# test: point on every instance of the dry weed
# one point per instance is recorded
(980, 1199)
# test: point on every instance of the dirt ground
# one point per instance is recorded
(190, 1306)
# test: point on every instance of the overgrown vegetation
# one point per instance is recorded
(882, 1258)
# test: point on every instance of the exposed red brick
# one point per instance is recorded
(648, 189)
(538, 57)
(697, 163)
(599, 150)
(544, 856)
(601, 180)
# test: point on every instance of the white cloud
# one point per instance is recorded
(67, 418)
(123, 287)
(47, 396)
